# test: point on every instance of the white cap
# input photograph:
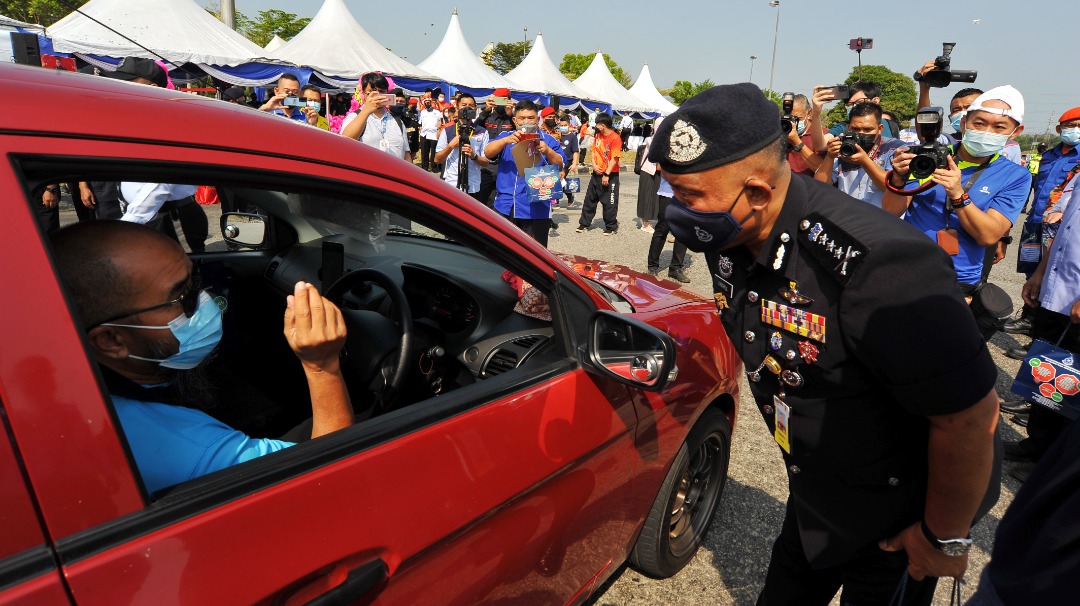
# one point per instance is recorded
(1006, 93)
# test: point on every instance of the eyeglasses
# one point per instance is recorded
(189, 299)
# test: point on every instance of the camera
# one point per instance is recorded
(848, 144)
(930, 155)
(942, 75)
(787, 121)
(467, 114)
(840, 92)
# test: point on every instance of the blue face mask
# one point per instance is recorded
(956, 119)
(1070, 136)
(703, 231)
(198, 335)
(800, 127)
(981, 143)
(315, 105)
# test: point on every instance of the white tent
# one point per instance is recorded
(598, 82)
(181, 31)
(645, 90)
(537, 74)
(335, 45)
(275, 43)
(453, 61)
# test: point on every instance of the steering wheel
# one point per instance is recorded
(377, 348)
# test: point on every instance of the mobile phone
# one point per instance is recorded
(387, 100)
(840, 92)
(294, 102)
(501, 101)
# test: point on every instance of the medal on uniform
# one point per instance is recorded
(782, 424)
(772, 365)
(776, 341)
(791, 378)
(808, 351)
(721, 302)
(725, 267)
(792, 295)
(793, 320)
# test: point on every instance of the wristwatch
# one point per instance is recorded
(798, 148)
(961, 202)
(950, 547)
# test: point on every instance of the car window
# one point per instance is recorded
(478, 326)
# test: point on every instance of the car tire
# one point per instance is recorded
(689, 498)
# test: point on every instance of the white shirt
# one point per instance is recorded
(479, 140)
(382, 133)
(626, 122)
(429, 123)
(144, 200)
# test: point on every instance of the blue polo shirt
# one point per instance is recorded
(1002, 186)
(511, 194)
(173, 444)
(296, 114)
(1052, 170)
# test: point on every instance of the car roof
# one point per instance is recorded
(82, 105)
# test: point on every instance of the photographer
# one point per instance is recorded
(973, 201)
(802, 155)
(495, 120)
(374, 125)
(865, 155)
(860, 92)
(459, 139)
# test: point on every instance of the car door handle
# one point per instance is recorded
(361, 580)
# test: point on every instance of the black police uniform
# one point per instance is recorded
(853, 332)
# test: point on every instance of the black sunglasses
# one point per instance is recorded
(189, 299)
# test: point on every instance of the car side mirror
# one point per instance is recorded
(631, 351)
(243, 229)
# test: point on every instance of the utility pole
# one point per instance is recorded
(776, 34)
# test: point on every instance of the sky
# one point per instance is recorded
(1014, 42)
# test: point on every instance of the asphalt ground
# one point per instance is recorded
(730, 567)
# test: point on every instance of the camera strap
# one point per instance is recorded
(967, 187)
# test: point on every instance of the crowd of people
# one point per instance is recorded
(851, 269)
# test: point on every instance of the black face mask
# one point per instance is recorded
(550, 124)
(500, 110)
(867, 142)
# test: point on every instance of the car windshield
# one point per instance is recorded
(336, 216)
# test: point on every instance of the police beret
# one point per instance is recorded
(1069, 115)
(717, 126)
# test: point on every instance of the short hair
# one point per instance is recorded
(308, 87)
(526, 105)
(965, 92)
(84, 254)
(375, 80)
(870, 89)
(866, 109)
(604, 119)
(461, 96)
(400, 94)
(564, 118)
(800, 100)
(288, 76)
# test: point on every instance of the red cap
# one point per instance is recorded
(413, 101)
(1071, 114)
(547, 111)
(501, 92)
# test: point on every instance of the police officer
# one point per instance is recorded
(839, 312)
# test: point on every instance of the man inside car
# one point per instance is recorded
(151, 328)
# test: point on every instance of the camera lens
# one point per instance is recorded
(922, 166)
(847, 149)
(786, 126)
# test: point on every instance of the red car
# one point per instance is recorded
(529, 422)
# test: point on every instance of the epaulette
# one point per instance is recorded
(832, 247)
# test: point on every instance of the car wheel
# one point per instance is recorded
(688, 499)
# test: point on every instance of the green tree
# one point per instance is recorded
(573, 65)
(898, 94)
(242, 21)
(505, 56)
(41, 12)
(269, 23)
(683, 90)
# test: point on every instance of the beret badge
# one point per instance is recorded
(685, 143)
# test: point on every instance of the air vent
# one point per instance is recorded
(272, 268)
(527, 342)
(501, 361)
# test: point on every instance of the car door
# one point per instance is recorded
(512, 490)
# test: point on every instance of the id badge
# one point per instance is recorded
(782, 423)
(949, 241)
(384, 145)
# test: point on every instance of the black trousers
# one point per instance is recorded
(659, 238)
(536, 228)
(608, 197)
(1044, 425)
(487, 188)
(427, 153)
(870, 578)
(192, 220)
